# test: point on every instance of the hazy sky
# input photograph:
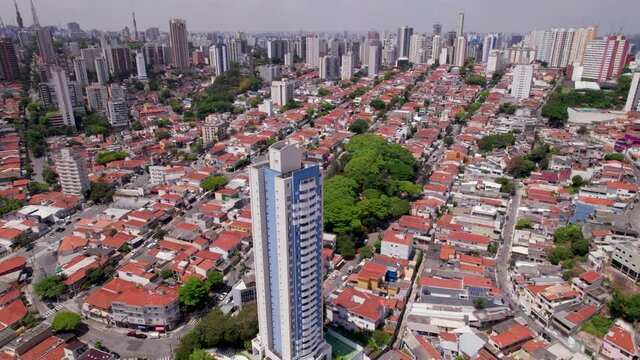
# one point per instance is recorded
(318, 15)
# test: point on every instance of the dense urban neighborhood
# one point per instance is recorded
(191, 196)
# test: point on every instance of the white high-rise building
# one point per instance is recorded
(97, 98)
(436, 48)
(580, 39)
(490, 43)
(329, 68)
(214, 129)
(286, 203)
(80, 69)
(495, 63)
(141, 66)
(417, 45)
(460, 29)
(375, 59)
(633, 99)
(219, 58)
(118, 112)
(288, 59)
(461, 51)
(102, 70)
(404, 36)
(347, 69)
(72, 170)
(521, 82)
(117, 91)
(281, 92)
(313, 51)
(60, 82)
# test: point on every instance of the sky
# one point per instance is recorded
(334, 15)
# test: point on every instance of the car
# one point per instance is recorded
(141, 336)
(51, 306)
(60, 229)
(132, 333)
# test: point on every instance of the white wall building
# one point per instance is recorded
(60, 82)
(281, 92)
(80, 69)
(118, 112)
(97, 98)
(141, 66)
(347, 70)
(633, 99)
(72, 170)
(521, 82)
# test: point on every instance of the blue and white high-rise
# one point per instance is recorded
(286, 206)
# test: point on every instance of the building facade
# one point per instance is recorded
(281, 92)
(286, 203)
(521, 82)
(72, 170)
(9, 69)
(179, 43)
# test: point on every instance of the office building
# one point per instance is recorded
(390, 55)
(286, 203)
(521, 82)
(214, 129)
(347, 69)
(281, 92)
(102, 70)
(604, 59)
(60, 82)
(72, 170)
(633, 98)
(417, 46)
(80, 69)
(179, 43)
(219, 58)
(97, 98)
(490, 43)
(9, 68)
(329, 67)
(141, 66)
(118, 112)
(375, 59)
(120, 60)
(460, 29)
(460, 51)
(404, 35)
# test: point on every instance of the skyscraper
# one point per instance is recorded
(135, 26)
(118, 112)
(60, 81)
(179, 43)
(330, 67)
(18, 16)
(102, 70)
(417, 44)
(9, 68)
(604, 58)
(404, 36)
(313, 51)
(97, 98)
(461, 51)
(521, 82)
(281, 92)
(277, 48)
(375, 59)
(490, 43)
(436, 48)
(580, 39)
(286, 203)
(72, 170)
(80, 69)
(346, 72)
(45, 40)
(141, 66)
(437, 29)
(460, 29)
(219, 58)
(633, 99)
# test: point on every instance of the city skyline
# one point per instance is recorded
(291, 15)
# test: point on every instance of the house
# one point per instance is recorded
(142, 308)
(587, 282)
(511, 339)
(468, 240)
(137, 271)
(97, 305)
(71, 244)
(358, 311)
(12, 314)
(619, 343)
(569, 321)
(397, 244)
(227, 243)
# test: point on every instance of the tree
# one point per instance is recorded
(479, 303)
(625, 306)
(66, 321)
(496, 141)
(580, 247)
(583, 130)
(398, 207)
(359, 126)
(615, 156)
(448, 141)
(519, 167)
(556, 113)
(50, 288)
(109, 156)
(101, 192)
(346, 247)
(8, 205)
(161, 135)
(323, 92)
(559, 253)
(377, 104)
(507, 108)
(523, 223)
(568, 234)
(160, 234)
(214, 279)
(193, 292)
(366, 252)
(214, 183)
(137, 126)
(49, 176)
(201, 355)
(95, 275)
(507, 186)
(476, 80)
(36, 187)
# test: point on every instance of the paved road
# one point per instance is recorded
(331, 284)
(502, 260)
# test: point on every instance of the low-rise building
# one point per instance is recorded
(138, 307)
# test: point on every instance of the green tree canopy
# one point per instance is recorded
(359, 126)
(193, 291)
(214, 183)
(66, 321)
(51, 287)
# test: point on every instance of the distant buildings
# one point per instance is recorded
(60, 82)
(490, 43)
(80, 69)
(102, 70)
(460, 29)
(633, 99)
(436, 48)
(375, 59)
(287, 233)
(179, 43)
(97, 98)
(417, 48)
(219, 58)
(276, 49)
(461, 51)
(141, 66)
(404, 35)
(118, 112)
(314, 51)
(73, 172)
(521, 82)
(604, 58)
(281, 92)
(347, 70)
(329, 67)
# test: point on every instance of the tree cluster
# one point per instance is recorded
(569, 244)
(626, 306)
(8, 205)
(476, 80)
(219, 97)
(522, 166)
(214, 183)
(50, 288)
(221, 331)
(100, 192)
(66, 321)
(109, 156)
(496, 141)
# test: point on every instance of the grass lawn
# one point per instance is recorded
(598, 326)
(338, 348)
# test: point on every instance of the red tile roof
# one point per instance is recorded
(620, 338)
(514, 335)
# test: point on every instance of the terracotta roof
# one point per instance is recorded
(514, 335)
(441, 283)
(577, 317)
(590, 276)
(620, 338)
(12, 313)
(366, 305)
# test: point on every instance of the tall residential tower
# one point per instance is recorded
(286, 207)
(179, 43)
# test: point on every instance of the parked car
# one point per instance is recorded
(141, 336)
(51, 306)
(132, 333)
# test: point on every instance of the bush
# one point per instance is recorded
(476, 80)
(359, 126)
(598, 326)
(496, 141)
(66, 322)
(109, 156)
(617, 157)
(214, 183)
(50, 288)
(377, 104)
(523, 224)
